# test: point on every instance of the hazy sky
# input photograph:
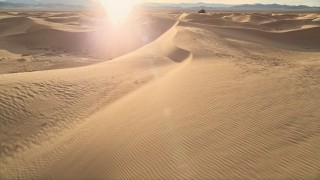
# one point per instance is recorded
(290, 2)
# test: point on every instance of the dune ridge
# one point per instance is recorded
(38, 44)
(301, 39)
(267, 22)
(68, 95)
(17, 25)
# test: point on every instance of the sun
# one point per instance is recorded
(118, 10)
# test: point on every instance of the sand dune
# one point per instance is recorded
(195, 101)
(117, 75)
(290, 24)
(223, 22)
(309, 16)
(316, 20)
(267, 22)
(297, 34)
(196, 16)
(73, 36)
(301, 40)
(18, 25)
(63, 14)
(48, 38)
(213, 21)
(69, 20)
(251, 18)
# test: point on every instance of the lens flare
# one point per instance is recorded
(118, 10)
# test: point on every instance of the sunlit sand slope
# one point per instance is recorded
(42, 41)
(199, 102)
(263, 21)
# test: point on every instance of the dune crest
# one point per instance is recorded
(42, 39)
(291, 32)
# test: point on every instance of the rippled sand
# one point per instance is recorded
(185, 96)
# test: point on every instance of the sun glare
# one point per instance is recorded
(118, 10)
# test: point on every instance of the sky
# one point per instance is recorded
(289, 2)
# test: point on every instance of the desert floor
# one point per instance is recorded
(162, 96)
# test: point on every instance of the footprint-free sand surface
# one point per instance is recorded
(163, 96)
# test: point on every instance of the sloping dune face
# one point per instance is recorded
(262, 21)
(38, 41)
(289, 31)
(199, 101)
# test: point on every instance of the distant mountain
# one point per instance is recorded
(58, 5)
(67, 2)
(274, 7)
(258, 7)
(9, 5)
(79, 4)
(186, 5)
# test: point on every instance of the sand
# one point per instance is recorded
(213, 96)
